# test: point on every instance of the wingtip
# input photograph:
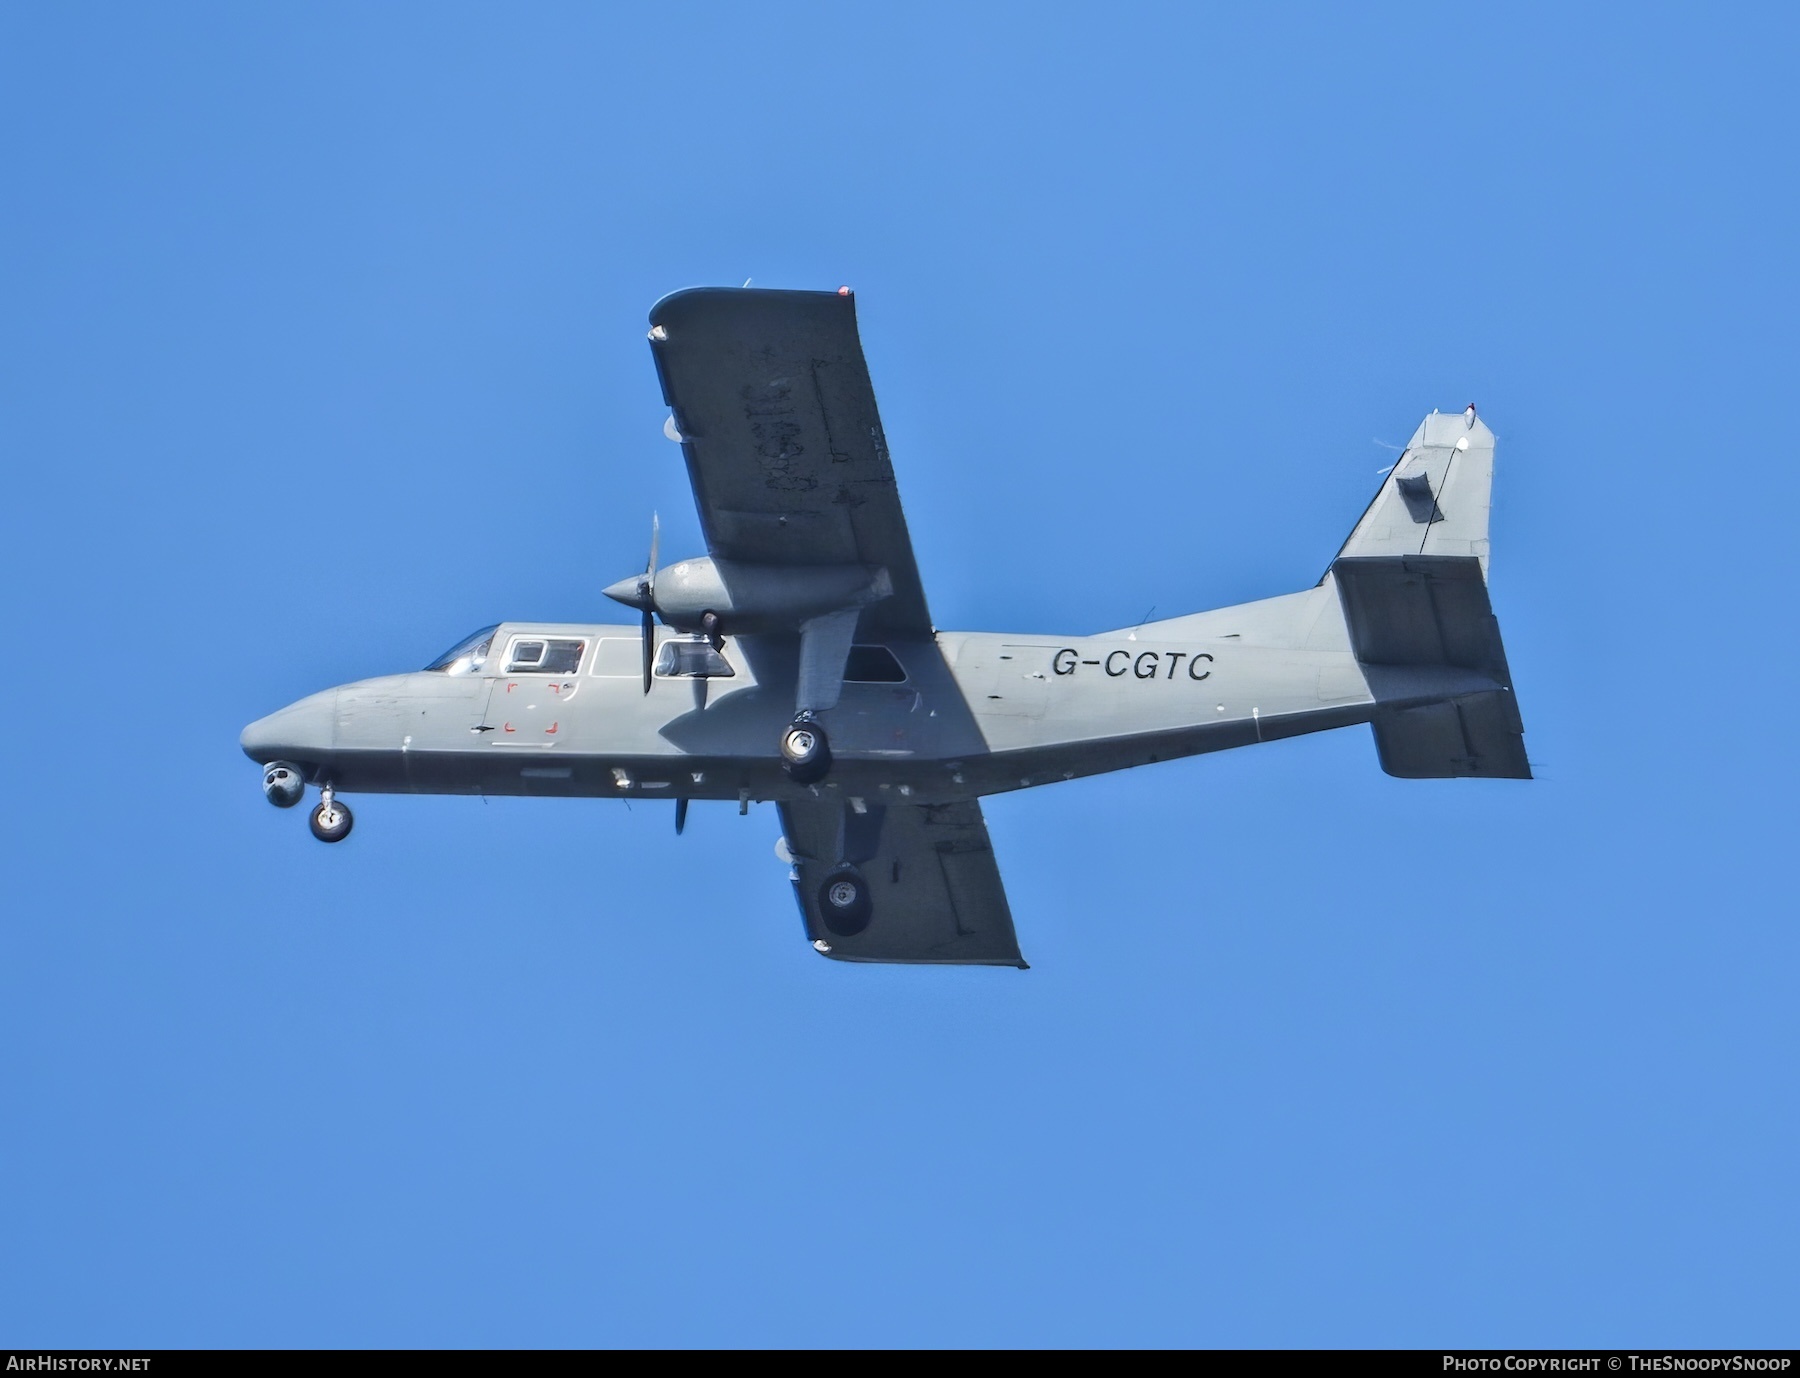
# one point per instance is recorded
(674, 302)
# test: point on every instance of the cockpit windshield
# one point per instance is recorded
(467, 656)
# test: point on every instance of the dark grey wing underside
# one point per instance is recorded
(784, 447)
(932, 878)
(1409, 613)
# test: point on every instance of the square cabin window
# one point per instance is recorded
(545, 656)
(693, 659)
(526, 655)
(562, 658)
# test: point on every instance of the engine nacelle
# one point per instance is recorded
(754, 598)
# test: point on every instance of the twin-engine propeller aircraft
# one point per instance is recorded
(797, 662)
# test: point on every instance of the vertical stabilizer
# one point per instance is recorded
(1435, 502)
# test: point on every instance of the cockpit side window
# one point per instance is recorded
(694, 659)
(468, 656)
(542, 655)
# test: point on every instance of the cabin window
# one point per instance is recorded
(873, 665)
(695, 659)
(467, 656)
(544, 656)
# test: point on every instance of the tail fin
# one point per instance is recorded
(1412, 580)
(1435, 502)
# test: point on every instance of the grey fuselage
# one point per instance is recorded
(976, 714)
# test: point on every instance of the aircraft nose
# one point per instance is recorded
(302, 730)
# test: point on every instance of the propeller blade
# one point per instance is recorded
(680, 815)
(647, 587)
(649, 646)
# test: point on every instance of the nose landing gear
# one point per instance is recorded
(805, 752)
(331, 821)
(284, 785)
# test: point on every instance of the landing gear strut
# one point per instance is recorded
(805, 753)
(331, 821)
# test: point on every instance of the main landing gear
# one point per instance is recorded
(805, 753)
(844, 902)
(331, 821)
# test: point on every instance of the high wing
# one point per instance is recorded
(776, 415)
(932, 878)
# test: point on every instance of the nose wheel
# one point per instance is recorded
(805, 753)
(331, 821)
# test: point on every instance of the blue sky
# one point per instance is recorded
(321, 343)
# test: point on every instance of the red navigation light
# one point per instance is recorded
(843, 291)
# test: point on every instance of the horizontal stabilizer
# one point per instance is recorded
(1476, 735)
(1414, 621)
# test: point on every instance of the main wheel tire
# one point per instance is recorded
(805, 752)
(332, 822)
(844, 902)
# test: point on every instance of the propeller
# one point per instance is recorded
(647, 592)
(680, 814)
